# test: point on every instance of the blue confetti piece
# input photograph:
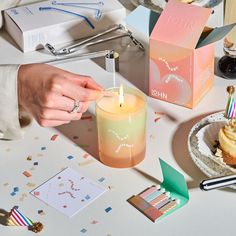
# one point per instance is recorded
(87, 197)
(83, 230)
(108, 209)
(43, 148)
(13, 194)
(101, 179)
(16, 189)
(70, 157)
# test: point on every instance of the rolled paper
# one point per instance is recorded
(230, 112)
(16, 218)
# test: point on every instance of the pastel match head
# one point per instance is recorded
(163, 190)
(167, 194)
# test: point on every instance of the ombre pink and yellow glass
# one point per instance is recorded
(122, 128)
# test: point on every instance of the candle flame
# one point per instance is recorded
(121, 95)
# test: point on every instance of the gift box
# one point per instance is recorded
(55, 22)
(182, 54)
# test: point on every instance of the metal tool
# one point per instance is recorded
(111, 59)
(98, 12)
(89, 41)
(68, 12)
(218, 182)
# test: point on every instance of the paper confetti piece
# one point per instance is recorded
(83, 230)
(94, 222)
(101, 179)
(36, 163)
(70, 157)
(36, 193)
(108, 209)
(6, 184)
(86, 155)
(85, 163)
(54, 137)
(31, 185)
(75, 137)
(43, 148)
(23, 196)
(16, 189)
(27, 174)
(36, 138)
(41, 212)
(39, 154)
(13, 194)
(111, 187)
(29, 158)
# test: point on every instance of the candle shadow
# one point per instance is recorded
(181, 153)
(146, 175)
(83, 133)
(3, 217)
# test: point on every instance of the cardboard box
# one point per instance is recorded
(31, 28)
(182, 54)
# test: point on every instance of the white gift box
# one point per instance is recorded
(55, 22)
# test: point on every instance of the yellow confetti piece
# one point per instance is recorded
(29, 158)
(6, 184)
(85, 163)
(31, 185)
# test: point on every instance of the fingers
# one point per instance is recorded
(63, 103)
(84, 81)
(80, 93)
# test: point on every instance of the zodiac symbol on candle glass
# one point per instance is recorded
(121, 139)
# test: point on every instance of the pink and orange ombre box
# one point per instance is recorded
(182, 54)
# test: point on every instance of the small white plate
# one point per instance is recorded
(158, 5)
(207, 164)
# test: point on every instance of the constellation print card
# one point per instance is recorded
(69, 192)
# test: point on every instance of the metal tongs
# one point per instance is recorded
(89, 41)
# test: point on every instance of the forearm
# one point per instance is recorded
(9, 109)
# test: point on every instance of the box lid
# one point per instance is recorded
(142, 19)
(181, 24)
(29, 17)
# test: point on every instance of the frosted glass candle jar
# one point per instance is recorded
(122, 129)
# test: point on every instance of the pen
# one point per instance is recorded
(218, 182)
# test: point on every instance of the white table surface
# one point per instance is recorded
(206, 213)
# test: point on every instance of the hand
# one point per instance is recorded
(48, 93)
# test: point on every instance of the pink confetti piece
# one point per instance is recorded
(93, 222)
(86, 155)
(36, 193)
(54, 137)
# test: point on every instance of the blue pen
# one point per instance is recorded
(68, 12)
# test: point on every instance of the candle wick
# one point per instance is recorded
(120, 105)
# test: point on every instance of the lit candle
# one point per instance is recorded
(121, 124)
